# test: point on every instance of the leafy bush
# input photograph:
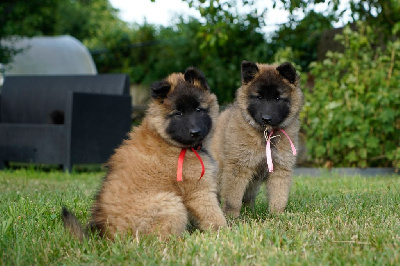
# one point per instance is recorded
(352, 115)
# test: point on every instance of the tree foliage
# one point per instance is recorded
(383, 14)
(82, 19)
(302, 36)
(220, 16)
(216, 44)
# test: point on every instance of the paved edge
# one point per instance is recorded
(304, 171)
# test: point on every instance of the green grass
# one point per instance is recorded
(329, 220)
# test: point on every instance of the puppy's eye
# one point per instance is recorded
(259, 97)
(199, 109)
(278, 98)
(178, 113)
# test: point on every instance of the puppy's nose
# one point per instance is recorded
(267, 119)
(195, 132)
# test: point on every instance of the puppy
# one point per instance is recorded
(162, 177)
(256, 137)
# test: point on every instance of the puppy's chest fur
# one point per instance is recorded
(248, 143)
(254, 157)
(165, 161)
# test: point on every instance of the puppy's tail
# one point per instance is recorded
(72, 224)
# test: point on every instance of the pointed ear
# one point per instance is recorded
(249, 70)
(287, 71)
(160, 89)
(196, 77)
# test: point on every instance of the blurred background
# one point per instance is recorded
(346, 51)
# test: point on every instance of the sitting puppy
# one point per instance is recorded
(255, 138)
(155, 181)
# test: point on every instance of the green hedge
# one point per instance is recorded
(352, 115)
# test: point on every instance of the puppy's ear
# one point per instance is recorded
(160, 89)
(287, 71)
(249, 70)
(196, 77)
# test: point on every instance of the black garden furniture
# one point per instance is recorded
(63, 120)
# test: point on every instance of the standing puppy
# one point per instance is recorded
(153, 185)
(266, 107)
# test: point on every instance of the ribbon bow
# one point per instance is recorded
(180, 164)
(268, 148)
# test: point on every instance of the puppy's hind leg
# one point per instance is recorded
(251, 192)
(163, 214)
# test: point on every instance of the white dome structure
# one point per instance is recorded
(59, 55)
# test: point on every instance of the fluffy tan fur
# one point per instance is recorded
(239, 144)
(141, 194)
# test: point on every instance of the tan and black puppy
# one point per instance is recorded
(140, 193)
(267, 106)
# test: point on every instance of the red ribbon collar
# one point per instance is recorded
(180, 163)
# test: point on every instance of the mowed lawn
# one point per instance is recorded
(329, 220)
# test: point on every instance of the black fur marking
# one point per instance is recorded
(192, 74)
(249, 70)
(160, 89)
(266, 105)
(190, 123)
(269, 92)
(287, 71)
